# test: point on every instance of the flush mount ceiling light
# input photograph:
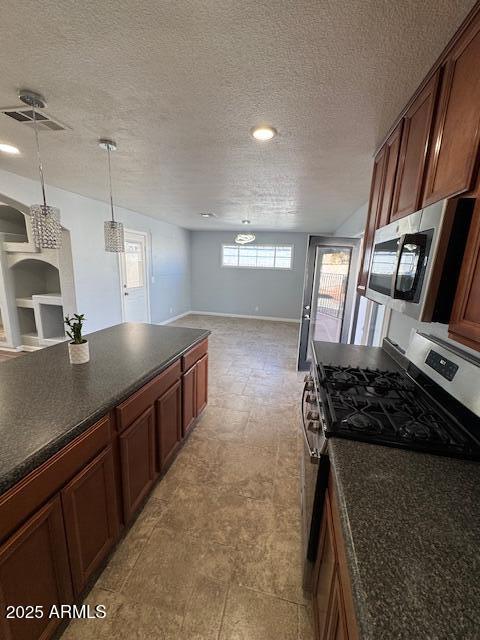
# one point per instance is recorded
(47, 232)
(9, 148)
(113, 230)
(244, 238)
(264, 133)
(245, 221)
(206, 214)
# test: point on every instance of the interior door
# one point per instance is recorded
(329, 294)
(134, 278)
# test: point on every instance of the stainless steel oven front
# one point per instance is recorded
(407, 260)
(314, 472)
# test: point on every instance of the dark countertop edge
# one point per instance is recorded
(34, 461)
(358, 593)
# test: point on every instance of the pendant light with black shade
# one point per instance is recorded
(113, 230)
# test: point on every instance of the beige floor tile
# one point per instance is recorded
(170, 565)
(118, 569)
(204, 610)
(219, 515)
(305, 623)
(247, 470)
(91, 629)
(250, 615)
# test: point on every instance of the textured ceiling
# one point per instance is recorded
(179, 84)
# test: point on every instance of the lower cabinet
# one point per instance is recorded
(169, 424)
(137, 455)
(90, 512)
(195, 392)
(34, 572)
(332, 603)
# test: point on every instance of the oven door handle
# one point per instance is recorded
(314, 454)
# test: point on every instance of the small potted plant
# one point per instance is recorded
(78, 350)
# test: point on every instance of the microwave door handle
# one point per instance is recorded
(401, 243)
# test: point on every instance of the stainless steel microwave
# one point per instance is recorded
(416, 260)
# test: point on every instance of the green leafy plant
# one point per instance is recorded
(75, 324)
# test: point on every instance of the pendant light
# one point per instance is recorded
(47, 231)
(114, 234)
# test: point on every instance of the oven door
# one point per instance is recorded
(315, 468)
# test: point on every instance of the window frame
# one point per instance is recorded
(240, 266)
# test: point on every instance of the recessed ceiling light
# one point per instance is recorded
(207, 215)
(9, 148)
(245, 221)
(263, 133)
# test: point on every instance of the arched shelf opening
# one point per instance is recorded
(13, 227)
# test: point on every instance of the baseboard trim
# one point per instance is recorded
(240, 315)
(173, 318)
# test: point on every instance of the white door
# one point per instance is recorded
(134, 278)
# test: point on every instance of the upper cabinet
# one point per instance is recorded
(416, 137)
(454, 158)
(392, 152)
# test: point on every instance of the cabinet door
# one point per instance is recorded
(188, 400)
(373, 206)
(453, 161)
(201, 385)
(34, 570)
(465, 319)
(137, 455)
(416, 136)
(392, 153)
(324, 573)
(169, 424)
(90, 511)
(336, 625)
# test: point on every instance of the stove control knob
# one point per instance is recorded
(313, 425)
(309, 386)
(311, 399)
(313, 415)
(308, 378)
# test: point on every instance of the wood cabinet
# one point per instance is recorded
(465, 319)
(392, 152)
(34, 570)
(168, 412)
(453, 164)
(416, 138)
(188, 400)
(91, 520)
(201, 385)
(137, 455)
(195, 393)
(373, 206)
(334, 617)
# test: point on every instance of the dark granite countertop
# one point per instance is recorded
(411, 524)
(45, 402)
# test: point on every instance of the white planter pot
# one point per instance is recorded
(78, 353)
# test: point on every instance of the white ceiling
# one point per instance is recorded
(179, 84)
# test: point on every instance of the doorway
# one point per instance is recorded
(329, 293)
(134, 278)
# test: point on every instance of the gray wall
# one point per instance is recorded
(97, 278)
(252, 292)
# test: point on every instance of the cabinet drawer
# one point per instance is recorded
(191, 357)
(26, 496)
(132, 408)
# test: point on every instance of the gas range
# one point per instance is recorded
(432, 406)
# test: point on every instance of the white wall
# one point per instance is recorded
(253, 292)
(96, 272)
(354, 226)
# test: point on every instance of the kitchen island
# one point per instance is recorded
(82, 447)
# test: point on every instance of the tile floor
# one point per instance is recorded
(216, 552)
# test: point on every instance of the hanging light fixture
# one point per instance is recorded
(244, 238)
(47, 231)
(114, 234)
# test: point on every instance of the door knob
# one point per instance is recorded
(306, 316)
(126, 293)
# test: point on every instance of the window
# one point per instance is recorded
(257, 256)
(134, 269)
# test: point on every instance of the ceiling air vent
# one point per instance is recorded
(24, 115)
